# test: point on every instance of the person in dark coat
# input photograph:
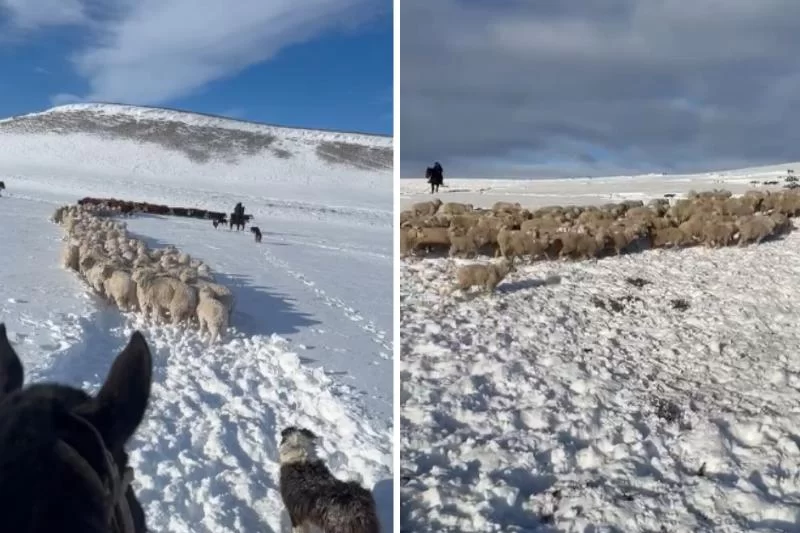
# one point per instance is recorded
(435, 175)
(237, 217)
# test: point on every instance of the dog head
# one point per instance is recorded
(297, 445)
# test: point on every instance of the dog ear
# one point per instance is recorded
(11, 372)
(287, 431)
(308, 433)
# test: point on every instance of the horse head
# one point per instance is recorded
(63, 465)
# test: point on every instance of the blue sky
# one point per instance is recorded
(307, 63)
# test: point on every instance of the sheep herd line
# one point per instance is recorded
(127, 208)
(712, 218)
(160, 284)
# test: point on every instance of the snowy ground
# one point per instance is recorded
(312, 345)
(577, 399)
(588, 191)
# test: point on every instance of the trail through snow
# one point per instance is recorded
(302, 353)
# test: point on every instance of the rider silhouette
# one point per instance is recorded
(436, 177)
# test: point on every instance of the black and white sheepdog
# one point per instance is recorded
(255, 230)
(314, 497)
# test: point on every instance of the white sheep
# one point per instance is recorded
(160, 294)
(98, 274)
(121, 288)
(89, 257)
(59, 214)
(487, 276)
(204, 272)
(513, 243)
(162, 281)
(221, 293)
(141, 261)
(464, 242)
(426, 208)
(754, 229)
(212, 314)
(500, 207)
(70, 256)
(455, 208)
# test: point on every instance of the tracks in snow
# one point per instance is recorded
(211, 435)
(377, 335)
(206, 456)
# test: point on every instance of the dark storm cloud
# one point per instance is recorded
(547, 84)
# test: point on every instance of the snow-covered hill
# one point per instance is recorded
(103, 142)
(312, 344)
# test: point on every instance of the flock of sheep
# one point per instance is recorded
(164, 283)
(714, 218)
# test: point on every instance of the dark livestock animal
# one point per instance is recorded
(236, 220)
(2, 186)
(237, 217)
(218, 218)
(255, 230)
(63, 465)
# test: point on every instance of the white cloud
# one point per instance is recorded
(152, 51)
(33, 14)
(158, 50)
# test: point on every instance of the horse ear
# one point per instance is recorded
(120, 405)
(11, 373)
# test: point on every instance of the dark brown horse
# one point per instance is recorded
(63, 465)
